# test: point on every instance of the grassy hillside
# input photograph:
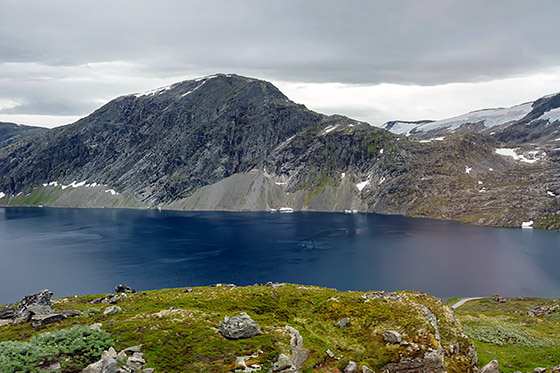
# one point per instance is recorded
(179, 331)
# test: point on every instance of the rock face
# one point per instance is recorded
(35, 304)
(8, 312)
(239, 326)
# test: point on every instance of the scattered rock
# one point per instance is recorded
(352, 367)
(5, 322)
(112, 310)
(124, 289)
(96, 326)
(239, 326)
(432, 362)
(282, 364)
(40, 320)
(342, 323)
(498, 298)
(538, 311)
(111, 362)
(72, 313)
(491, 367)
(136, 362)
(187, 290)
(330, 353)
(109, 299)
(539, 370)
(274, 285)
(365, 369)
(136, 348)
(471, 352)
(392, 336)
(55, 367)
(8, 312)
(384, 295)
(299, 354)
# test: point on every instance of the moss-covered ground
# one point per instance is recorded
(179, 331)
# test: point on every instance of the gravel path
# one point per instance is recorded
(463, 301)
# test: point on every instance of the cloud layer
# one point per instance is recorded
(66, 58)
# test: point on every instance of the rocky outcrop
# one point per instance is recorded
(239, 326)
(109, 299)
(539, 311)
(35, 304)
(112, 310)
(8, 312)
(124, 289)
(113, 362)
(431, 362)
(299, 354)
(498, 298)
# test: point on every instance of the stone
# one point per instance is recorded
(539, 370)
(132, 349)
(35, 304)
(109, 299)
(383, 295)
(124, 289)
(365, 369)
(5, 322)
(342, 323)
(72, 313)
(136, 362)
(239, 326)
(431, 362)
(96, 367)
(283, 363)
(471, 352)
(121, 356)
(8, 312)
(96, 326)
(274, 285)
(330, 353)
(55, 367)
(498, 298)
(491, 367)
(112, 310)
(148, 370)
(299, 354)
(392, 336)
(352, 367)
(109, 365)
(538, 311)
(187, 290)
(40, 320)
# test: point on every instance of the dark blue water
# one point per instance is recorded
(87, 251)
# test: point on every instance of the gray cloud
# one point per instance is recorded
(425, 42)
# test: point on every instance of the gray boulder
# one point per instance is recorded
(392, 336)
(109, 299)
(352, 367)
(365, 369)
(34, 304)
(432, 362)
(111, 310)
(239, 326)
(342, 323)
(299, 354)
(40, 320)
(491, 367)
(124, 289)
(282, 364)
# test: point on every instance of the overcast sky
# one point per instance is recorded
(367, 59)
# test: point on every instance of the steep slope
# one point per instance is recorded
(164, 144)
(11, 132)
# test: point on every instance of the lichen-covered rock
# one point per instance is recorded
(352, 367)
(40, 320)
(431, 362)
(392, 336)
(491, 367)
(239, 326)
(112, 310)
(342, 323)
(34, 304)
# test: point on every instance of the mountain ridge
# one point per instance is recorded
(226, 142)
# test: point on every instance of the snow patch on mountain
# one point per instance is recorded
(552, 115)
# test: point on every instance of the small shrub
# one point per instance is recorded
(502, 334)
(74, 348)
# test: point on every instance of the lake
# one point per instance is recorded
(89, 251)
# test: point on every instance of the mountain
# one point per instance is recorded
(227, 142)
(536, 121)
(11, 132)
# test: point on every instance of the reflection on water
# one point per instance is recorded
(80, 251)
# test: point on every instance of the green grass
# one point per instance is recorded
(504, 332)
(186, 337)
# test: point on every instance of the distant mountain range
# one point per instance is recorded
(536, 122)
(227, 142)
